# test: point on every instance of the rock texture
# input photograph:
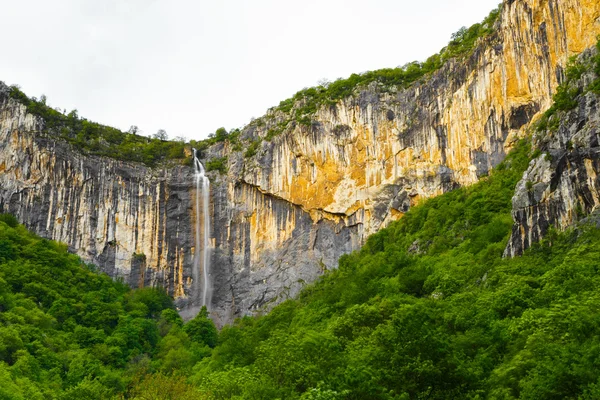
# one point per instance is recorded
(136, 223)
(562, 185)
(285, 215)
(370, 157)
(106, 211)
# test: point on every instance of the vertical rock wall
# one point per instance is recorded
(131, 221)
(562, 185)
(285, 215)
(373, 155)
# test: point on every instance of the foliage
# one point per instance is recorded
(93, 138)
(565, 98)
(252, 148)
(201, 329)
(595, 85)
(164, 387)
(276, 130)
(217, 164)
(141, 257)
(221, 135)
(69, 333)
(428, 308)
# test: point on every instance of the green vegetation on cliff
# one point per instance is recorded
(96, 139)
(565, 98)
(305, 103)
(429, 309)
(93, 138)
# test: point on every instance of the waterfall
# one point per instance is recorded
(202, 233)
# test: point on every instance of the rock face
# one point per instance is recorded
(561, 185)
(131, 221)
(371, 156)
(309, 195)
(136, 223)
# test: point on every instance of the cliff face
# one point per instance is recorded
(363, 162)
(370, 157)
(137, 223)
(105, 210)
(283, 216)
(562, 184)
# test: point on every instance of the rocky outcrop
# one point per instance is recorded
(561, 185)
(371, 156)
(284, 216)
(136, 223)
(131, 221)
(267, 249)
(366, 160)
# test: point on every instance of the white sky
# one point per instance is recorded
(190, 67)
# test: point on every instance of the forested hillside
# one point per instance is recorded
(67, 332)
(427, 309)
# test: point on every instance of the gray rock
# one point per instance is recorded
(561, 186)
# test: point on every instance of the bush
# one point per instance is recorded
(252, 149)
(201, 329)
(217, 164)
(9, 220)
(141, 257)
(93, 138)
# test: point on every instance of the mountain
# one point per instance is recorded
(428, 308)
(312, 179)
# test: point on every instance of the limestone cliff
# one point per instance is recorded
(562, 184)
(365, 160)
(130, 220)
(135, 223)
(309, 195)
(370, 156)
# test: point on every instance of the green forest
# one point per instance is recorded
(427, 309)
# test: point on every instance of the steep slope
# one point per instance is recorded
(368, 157)
(105, 210)
(363, 161)
(428, 308)
(310, 194)
(562, 185)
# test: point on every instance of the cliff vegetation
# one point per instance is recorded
(428, 309)
(305, 103)
(93, 138)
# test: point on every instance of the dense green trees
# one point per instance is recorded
(427, 309)
(69, 333)
(430, 309)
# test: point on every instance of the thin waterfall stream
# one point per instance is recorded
(202, 252)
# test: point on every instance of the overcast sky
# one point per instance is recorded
(190, 67)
